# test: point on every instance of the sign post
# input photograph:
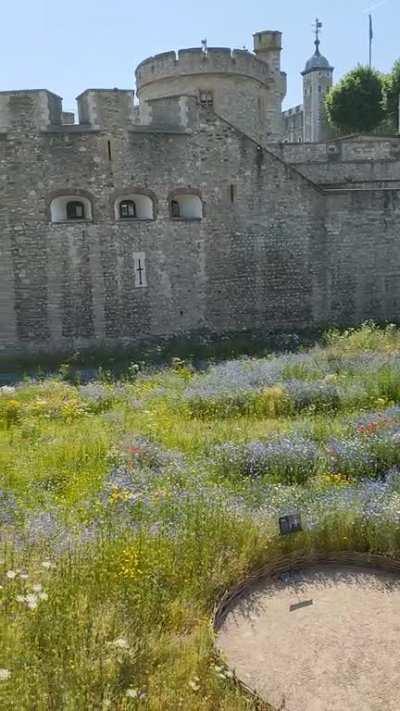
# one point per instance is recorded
(290, 524)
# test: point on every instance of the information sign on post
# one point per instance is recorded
(290, 524)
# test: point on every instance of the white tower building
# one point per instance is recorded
(317, 80)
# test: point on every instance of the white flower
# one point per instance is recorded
(11, 574)
(43, 596)
(24, 576)
(37, 588)
(47, 564)
(132, 693)
(194, 686)
(31, 601)
(7, 389)
(20, 598)
(121, 643)
(4, 674)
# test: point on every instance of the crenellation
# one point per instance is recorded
(106, 108)
(195, 59)
(38, 108)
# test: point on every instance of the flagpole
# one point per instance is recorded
(371, 34)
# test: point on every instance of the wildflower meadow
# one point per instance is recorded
(130, 504)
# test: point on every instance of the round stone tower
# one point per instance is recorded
(317, 80)
(245, 88)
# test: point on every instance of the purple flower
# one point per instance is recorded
(8, 507)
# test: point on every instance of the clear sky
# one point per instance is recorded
(67, 47)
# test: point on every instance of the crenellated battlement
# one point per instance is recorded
(216, 60)
(244, 87)
(38, 108)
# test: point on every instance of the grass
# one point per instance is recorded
(128, 505)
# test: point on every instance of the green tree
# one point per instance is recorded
(392, 93)
(355, 104)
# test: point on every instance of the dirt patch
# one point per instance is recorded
(321, 639)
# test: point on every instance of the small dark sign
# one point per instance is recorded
(299, 605)
(290, 524)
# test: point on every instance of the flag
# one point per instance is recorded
(371, 32)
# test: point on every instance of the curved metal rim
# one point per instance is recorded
(282, 565)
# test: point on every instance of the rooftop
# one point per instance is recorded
(317, 61)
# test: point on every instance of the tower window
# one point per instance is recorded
(70, 207)
(186, 207)
(206, 98)
(127, 209)
(75, 210)
(175, 209)
(134, 206)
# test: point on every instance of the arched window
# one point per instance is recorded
(127, 209)
(186, 207)
(66, 208)
(134, 206)
(75, 210)
(175, 209)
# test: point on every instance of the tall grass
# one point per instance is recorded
(128, 507)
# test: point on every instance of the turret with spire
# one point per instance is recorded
(317, 80)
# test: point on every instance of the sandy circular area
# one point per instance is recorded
(324, 638)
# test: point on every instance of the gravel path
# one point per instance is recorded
(323, 639)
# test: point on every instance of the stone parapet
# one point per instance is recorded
(217, 60)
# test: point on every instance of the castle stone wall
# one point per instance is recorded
(363, 256)
(274, 251)
(352, 163)
(246, 264)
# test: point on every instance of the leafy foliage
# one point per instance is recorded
(392, 94)
(355, 104)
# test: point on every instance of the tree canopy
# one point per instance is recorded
(392, 93)
(355, 104)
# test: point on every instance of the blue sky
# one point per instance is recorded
(71, 46)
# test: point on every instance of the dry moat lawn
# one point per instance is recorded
(128, 506)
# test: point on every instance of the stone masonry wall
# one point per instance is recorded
(356, 162)
(273, 251)
(363, 256)
(247, 263)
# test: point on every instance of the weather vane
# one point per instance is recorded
(317, 29)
